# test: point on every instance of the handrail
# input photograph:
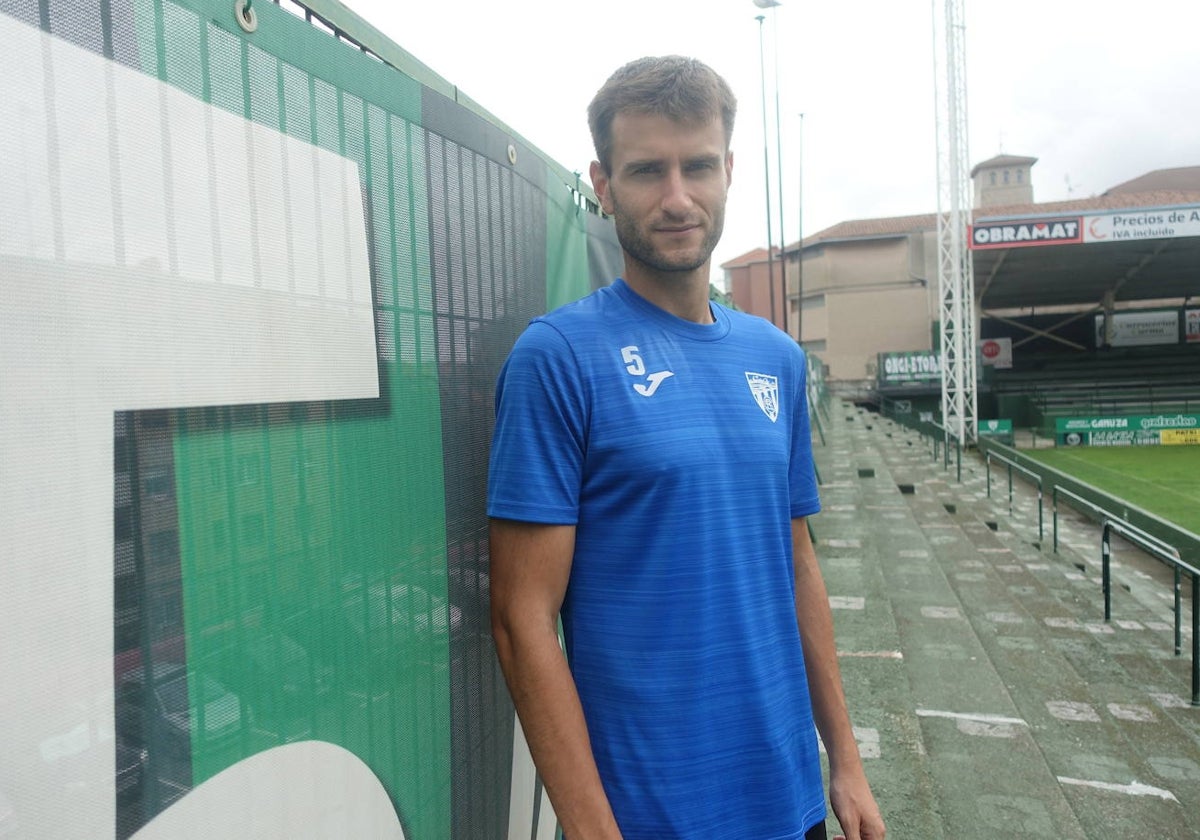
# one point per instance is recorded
(947, 436)
(1187, 542)
(1101, 514)
(1155, 547)
(1037, 479)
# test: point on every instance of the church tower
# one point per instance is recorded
(1003, 180)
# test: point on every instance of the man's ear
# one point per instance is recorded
(600, 184)
(728, 168)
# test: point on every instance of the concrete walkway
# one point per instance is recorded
(990, 697)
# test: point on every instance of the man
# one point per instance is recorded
(651, 470)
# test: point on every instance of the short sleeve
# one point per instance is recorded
(802, 477)
(538, 445)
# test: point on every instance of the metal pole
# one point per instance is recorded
(1195, 640)
(1054, 497)
(1178, 613)
(1010, 502)
(779, 173)
(1041, 515)
(800, 241)
(762, 72)
(1105, 571)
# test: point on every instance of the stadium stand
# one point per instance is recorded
(990, 697)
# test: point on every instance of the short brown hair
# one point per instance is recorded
(683, 89)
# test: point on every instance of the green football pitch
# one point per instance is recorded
(1164, 480)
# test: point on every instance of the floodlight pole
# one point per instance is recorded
(762, 72)
(779, 172)
(956, 284)
(800, 239)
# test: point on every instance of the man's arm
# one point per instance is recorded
(530, 567)
(849, 793)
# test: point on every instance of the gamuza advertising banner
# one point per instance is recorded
(1133, 430)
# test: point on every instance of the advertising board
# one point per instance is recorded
(1130, 430)
(1000, 430)
(996, 352)
(1091, 228)
(921, 366)
(1164, 223)
(1177, 437)
(1136, 329)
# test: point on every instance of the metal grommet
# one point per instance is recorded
(512, 154)
(244, 12)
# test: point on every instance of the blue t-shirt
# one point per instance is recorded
(681, 453)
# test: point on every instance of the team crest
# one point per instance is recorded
(766, 393)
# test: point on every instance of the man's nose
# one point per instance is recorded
(676, 199)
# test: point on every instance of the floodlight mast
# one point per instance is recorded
(956, 279)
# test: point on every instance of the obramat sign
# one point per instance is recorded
(1027, 232)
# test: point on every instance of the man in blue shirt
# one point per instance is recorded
(650, 477)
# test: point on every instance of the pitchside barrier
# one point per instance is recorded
(259, 272)
(1186, 542)
(1176, 547)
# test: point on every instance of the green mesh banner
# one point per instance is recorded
(291, 571)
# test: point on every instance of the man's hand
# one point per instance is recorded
(855, 807)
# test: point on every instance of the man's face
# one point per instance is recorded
(667, 189)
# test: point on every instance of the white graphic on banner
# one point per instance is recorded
(138, 271)
(297, 790)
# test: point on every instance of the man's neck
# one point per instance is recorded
(683, 294)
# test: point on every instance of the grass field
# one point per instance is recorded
(1164, 480)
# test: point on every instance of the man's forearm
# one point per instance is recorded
(547, 702)
(820, 657)
(849, 792)
(530, 567)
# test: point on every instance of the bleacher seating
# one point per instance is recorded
(1131, 380)
(990, 697)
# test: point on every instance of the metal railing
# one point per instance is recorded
(1156, 548)
(1037, 479)
(941, 435)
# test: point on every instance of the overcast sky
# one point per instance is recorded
(1099, 91)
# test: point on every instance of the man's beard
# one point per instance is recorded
(643, 250)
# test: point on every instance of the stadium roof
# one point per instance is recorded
(1132, 246)
(1150, 256)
